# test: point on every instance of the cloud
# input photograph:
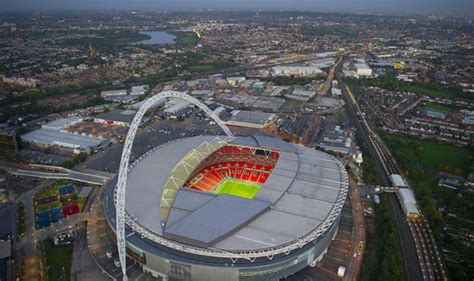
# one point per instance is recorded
(402, 6)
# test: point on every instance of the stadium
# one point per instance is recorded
(229, 208)
(223, 208)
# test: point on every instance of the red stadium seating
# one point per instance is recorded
(232, 161)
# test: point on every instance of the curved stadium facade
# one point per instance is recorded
(242, 208)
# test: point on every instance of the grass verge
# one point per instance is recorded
(58, 261)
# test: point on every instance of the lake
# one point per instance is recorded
(158, 38)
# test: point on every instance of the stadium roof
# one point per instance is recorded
(297, 197)
(200, 227)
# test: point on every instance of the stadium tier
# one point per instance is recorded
(243, 208)
(238, 163)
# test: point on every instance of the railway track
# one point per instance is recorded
(429, 251)
(430, 263)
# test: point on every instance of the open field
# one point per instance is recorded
(428, 155)
(58, 261)
(186, 38)
(432, 89)
(423, 160)
(202, 68)
(450, 212)
(440, 107)
(238, 188)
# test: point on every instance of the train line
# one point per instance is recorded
(417, 230)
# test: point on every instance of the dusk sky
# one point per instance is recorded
(453, 7)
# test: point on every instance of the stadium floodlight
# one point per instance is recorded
(127, 149)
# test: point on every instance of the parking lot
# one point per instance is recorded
(38, 157)
(154, 135)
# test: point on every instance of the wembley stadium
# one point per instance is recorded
(220, 208)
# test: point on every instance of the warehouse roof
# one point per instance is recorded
(119, 115)
(55, 137)
(63, 122)
(251, 117)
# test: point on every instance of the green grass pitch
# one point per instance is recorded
(238, 188)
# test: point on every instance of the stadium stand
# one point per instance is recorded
(233, 162)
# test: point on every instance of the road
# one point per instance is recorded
(27, 245)
(83, 266)
(358, 233)
(331, 72)
(66, 174)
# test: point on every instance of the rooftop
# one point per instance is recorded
(61, 123)
(119, 115)
(254, 117)
(55, 137)
(301, 191)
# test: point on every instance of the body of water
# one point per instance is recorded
(158, 38)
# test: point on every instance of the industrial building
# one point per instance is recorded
(235, 81)
(363, 69)
(334, 138)
(301, 94)
(113, 93)
(251, 119)
(297, 129)
(297, 71)
(119, 117)
(139, 90)
(124, 96)
(136, 106)
(175, 108)
(272, 104)
(323, 62)
(56, 135)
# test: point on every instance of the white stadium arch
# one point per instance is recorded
(127, 149)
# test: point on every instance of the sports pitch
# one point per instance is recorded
(238, 188)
